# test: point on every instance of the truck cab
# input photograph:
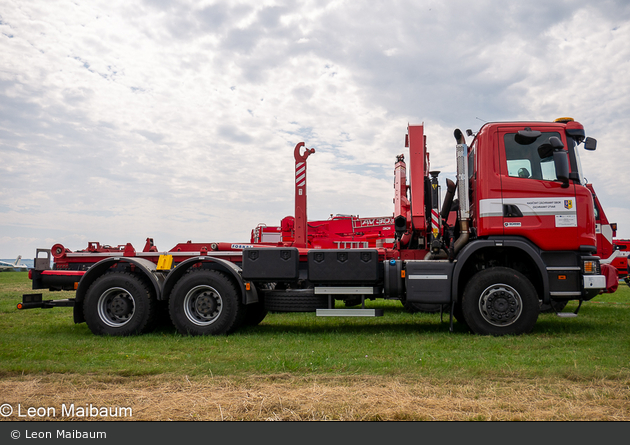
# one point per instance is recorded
(516, 190)
(525, 217)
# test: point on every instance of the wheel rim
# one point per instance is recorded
(203, 305)
(500, 305)
(116, 307)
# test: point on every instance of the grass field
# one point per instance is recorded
(297, 366)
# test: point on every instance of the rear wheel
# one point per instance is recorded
(205, 302)
(119, 303)
(500, 301)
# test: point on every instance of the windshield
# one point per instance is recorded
(573, 150)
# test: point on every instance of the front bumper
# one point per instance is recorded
(594, 285)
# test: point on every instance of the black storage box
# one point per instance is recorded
(339, 266)
(271, 264)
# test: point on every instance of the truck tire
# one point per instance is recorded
(500, 301)
(297, 300)
(119, 303)
(205, 302)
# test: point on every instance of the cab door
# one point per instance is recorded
(534, 203)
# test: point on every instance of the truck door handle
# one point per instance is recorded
(511, 211)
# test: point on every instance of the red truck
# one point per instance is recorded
(523, 234)
(611, 250)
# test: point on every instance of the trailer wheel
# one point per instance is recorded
(205, 302)
(500, 301)
(119, 303)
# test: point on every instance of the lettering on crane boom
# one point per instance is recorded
(241, 246)
(373, 222)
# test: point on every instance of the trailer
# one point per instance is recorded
(516, 230)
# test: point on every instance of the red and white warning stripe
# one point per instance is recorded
(300, 173)
(435, 222)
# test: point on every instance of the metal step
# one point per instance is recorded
(566, 314)
(342, 290)
(349, 312)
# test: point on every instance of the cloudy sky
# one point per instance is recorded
(122, 120)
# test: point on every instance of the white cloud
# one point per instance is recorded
(177, 120)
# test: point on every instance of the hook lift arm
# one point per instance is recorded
(301, 235)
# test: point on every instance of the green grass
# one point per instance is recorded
(595, 345)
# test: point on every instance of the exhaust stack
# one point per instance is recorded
(462, 191)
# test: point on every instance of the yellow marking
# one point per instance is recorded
(165, 262)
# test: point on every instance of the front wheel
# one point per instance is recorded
(205, 302)
(500, 301)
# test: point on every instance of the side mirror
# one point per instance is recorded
(548, 148)
(590, 144)
(556, 143)
(562, 167)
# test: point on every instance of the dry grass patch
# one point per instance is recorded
(299, 398)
